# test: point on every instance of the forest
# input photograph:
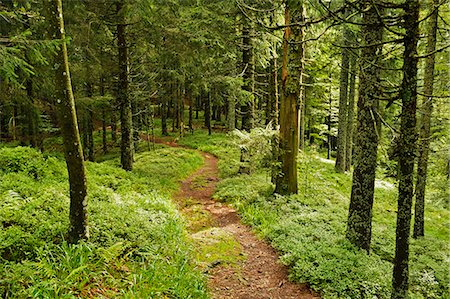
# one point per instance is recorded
(225, 149)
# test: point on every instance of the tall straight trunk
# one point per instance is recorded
(359, 224)
(90, 134)
(302, 94)
(425, 125)
(343, 96)
(408, 140)
(13, 122)
(275, 111)
(248, 77)
(198, 104)
(286, 182)
(164, 117)
(350, 113)
(136, 124)
(32, 117)
(68, 122)
(104, 138)
(113, 126)
(191, 127)
(231, 112)
(182, 95)
(126, 122)
(208, 113)
(89, 126)
(176, 116)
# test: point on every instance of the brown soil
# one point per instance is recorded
(259, 275)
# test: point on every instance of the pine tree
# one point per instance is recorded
(65, 104)
(359, 224)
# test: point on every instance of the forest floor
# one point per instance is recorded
(250, 267)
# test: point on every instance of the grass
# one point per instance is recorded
(138, 247)
(309, 229)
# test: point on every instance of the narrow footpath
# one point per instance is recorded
(258, 274)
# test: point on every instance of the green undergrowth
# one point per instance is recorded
(218, 144)
(137, 248)
(309, 230)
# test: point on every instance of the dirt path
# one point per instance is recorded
(258, 274)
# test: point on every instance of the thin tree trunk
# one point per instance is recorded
(90, 134)
(164, 117)
(248, 77)
(231, 112)
(32, 117)
(408, 140)
(302, 95)
(126, 122)
(68, 122)
(208, 113)
(350, 113)
(113, 126)
(359, 225)
(104, 138)
(425, 125)
(190, 125)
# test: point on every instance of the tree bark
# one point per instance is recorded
(248, 77)
(407, 147)
(208, 113)
(126, 122)
(350, 112)
(302, 95)
(425, 125)
(164, 117)
(191, 127)
(359, 224)
(65, 104)
(286, 182)
(231, 112)
(343, 97)
(104, 138)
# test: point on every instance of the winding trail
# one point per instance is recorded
(259, 275)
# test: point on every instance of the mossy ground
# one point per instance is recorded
(138, 246)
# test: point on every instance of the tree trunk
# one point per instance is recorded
(208, 113)
(350, 112)
(286, 182)
(248, 77)
(113, 126)
(68, 122)
(231, 112)
(343, 96)
(126, 122)
(275, 111)
(32, 117)
(425, 124)
(90, 134)
(191, 127)
(302, 95)
(164, 117)
(104, 138)
(359, 225)
(407, 147)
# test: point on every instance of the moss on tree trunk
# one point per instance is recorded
(359, 224)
